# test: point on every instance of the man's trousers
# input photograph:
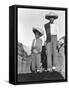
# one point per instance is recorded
(52, 52)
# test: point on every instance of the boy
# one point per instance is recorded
(36, 49)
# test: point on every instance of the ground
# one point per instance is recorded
(40, 76)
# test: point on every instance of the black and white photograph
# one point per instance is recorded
(38, 48)
(41, 45)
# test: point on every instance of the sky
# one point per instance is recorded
(29, 18)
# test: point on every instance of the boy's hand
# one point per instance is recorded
(35, 51)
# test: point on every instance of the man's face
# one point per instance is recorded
(51, 20)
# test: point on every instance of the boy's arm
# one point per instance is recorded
(33, 46)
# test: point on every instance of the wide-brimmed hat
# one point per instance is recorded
(51, 15)
(37, 29)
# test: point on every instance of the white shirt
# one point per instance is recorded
(37, 43)
(54, 30)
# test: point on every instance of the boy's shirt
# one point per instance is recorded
(37, 45)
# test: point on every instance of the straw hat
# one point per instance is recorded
(38, 30)
(51, 15)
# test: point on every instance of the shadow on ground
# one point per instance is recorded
(40, 76)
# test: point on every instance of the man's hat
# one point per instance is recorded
(51, 15)
(38, 30)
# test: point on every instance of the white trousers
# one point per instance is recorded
(36, 60)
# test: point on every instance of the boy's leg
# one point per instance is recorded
(33, 62)
(38, 61)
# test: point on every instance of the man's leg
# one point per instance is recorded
(49, 58)
(55, 56)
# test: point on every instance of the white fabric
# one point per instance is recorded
(54, 30)
(37, 44)
(35, 51)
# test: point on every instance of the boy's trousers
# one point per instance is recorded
(36, 59)
(52, 52)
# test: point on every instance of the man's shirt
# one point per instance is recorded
(54, 30)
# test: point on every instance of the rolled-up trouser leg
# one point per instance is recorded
(49, 58)
(33, 62)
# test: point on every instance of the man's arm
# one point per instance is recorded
(57, 29)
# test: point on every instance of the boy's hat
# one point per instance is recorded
(51, 15)
(38, 30)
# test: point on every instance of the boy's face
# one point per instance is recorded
(37, 35)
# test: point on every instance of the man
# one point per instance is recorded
(52, 36)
